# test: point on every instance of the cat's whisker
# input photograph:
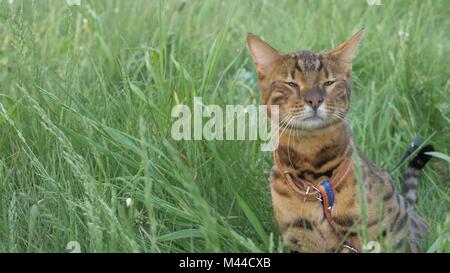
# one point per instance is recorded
(286, 122)
(287, 125)
(340, 117)
(283, 122)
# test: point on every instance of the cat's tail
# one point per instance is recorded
(412, 173)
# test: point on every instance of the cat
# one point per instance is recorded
(312, 91)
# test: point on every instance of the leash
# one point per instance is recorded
(323, 193)
(326, 191)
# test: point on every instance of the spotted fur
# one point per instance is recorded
(312, 91)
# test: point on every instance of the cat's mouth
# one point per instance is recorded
(313, 121)
(313, 117)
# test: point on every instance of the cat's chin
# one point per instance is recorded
(311, 124)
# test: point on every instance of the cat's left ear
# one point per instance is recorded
(344, 53)
(263, 54)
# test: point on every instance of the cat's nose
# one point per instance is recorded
(314, 100)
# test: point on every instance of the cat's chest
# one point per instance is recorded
(303, 222)
(291, 207)
(344, 211)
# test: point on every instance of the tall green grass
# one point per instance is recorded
(86, 94)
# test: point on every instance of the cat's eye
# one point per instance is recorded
(292, 84)
(328, 83)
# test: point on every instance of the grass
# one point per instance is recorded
(86, 94)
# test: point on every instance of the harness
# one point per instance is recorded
(323, 193)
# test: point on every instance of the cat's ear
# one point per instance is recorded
(263, 54)
(344, 53)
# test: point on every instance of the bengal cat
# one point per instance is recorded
(312, 91)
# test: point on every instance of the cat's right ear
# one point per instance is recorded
(263, 54)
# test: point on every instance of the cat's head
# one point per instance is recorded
(311, 89)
